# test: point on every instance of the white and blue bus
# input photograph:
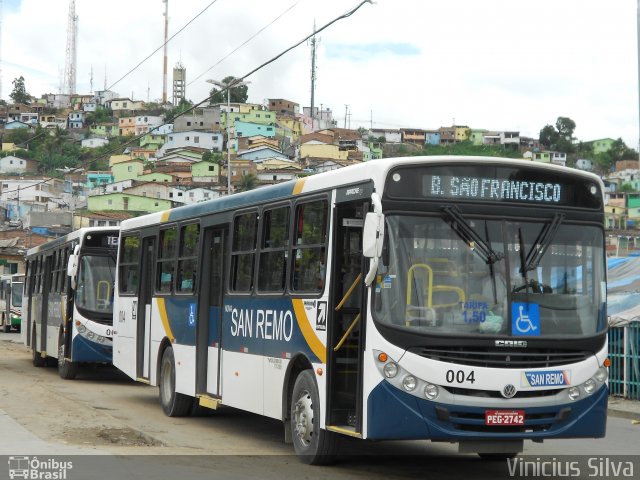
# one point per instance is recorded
(69, 299)
(456, 299)
(11, 287)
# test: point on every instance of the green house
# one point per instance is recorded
(127, 202)
(205, 169)
(155, 177)
(127, 170)
(601, 145)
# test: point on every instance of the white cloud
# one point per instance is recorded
(494, 64)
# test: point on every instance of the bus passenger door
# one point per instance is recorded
(143, 313)
(209, 326)
(44, 307)
(346, 340)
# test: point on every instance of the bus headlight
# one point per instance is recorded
(574, 393)
(431, 391)
(390, 370)
(601, 375)
(90, 335)
(82, 328)
(589, 386)
(409, 383)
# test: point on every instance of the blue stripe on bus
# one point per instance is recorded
(268, 327)
(231, 202)
(84, 350)
(394, 414)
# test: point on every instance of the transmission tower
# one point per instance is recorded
(72, 53)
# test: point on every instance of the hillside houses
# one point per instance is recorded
(164, 165)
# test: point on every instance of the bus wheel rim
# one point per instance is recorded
(303, 418)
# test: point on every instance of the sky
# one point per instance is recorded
(490, 64)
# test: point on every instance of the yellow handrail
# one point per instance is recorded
(346, 295)
(346, 334)
(410, 276)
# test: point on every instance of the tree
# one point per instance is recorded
(560, 137)
(548, 136)
(237, 94)
(182, 107)
(248, 182)
(19, 93)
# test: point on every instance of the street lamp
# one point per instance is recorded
(234, 83)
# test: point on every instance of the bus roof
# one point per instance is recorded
(374, 170)
(76, 234)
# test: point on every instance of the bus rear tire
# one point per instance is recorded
(174, 404)
(313, 445)
(36, 358)
(66, 369)
(6, 328)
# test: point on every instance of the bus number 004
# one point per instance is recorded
(460, 376)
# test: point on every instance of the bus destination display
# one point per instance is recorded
(482, 188)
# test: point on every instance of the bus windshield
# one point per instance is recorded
(16, 294)
(94, 291)
(451, 275)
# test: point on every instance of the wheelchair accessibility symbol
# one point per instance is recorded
(525, 319)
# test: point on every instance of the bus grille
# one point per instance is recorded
(487, 357)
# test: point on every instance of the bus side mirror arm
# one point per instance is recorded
(72, 266)
(373, 237)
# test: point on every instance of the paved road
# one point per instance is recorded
(103, 414)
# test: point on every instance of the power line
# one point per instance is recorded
(245, 42)
(161, 46)
(223, 90)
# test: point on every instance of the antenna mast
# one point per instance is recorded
(164, 65)
(72, 54)
(314, 44)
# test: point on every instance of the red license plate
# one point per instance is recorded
(504, 417)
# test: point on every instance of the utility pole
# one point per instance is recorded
(346, 111)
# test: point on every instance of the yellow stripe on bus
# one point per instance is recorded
(165, 320)
(297, 189)
(164, 216)
(307, 332)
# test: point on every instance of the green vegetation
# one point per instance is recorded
(468, 148)
(236, 95)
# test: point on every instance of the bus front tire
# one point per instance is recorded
(66, 368)
(36, 358)
(173, 404)
(312, 444)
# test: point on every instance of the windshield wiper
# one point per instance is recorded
(539, 247)
(454, 218)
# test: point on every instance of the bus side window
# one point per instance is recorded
(188, 258)
(274, 244)
(310, 247)
(128, 271)
(166, 260)
(243, 248)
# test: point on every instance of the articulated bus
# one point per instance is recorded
(11, 287)
(455, 299)
(69, 299)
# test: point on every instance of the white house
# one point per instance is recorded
(197, 195)
(11, 164)
(193, 138)
(76, 119)
(144, 123)
(94, 142)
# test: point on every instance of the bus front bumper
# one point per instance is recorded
(394, 414)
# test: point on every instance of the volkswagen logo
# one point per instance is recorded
(508, 391)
